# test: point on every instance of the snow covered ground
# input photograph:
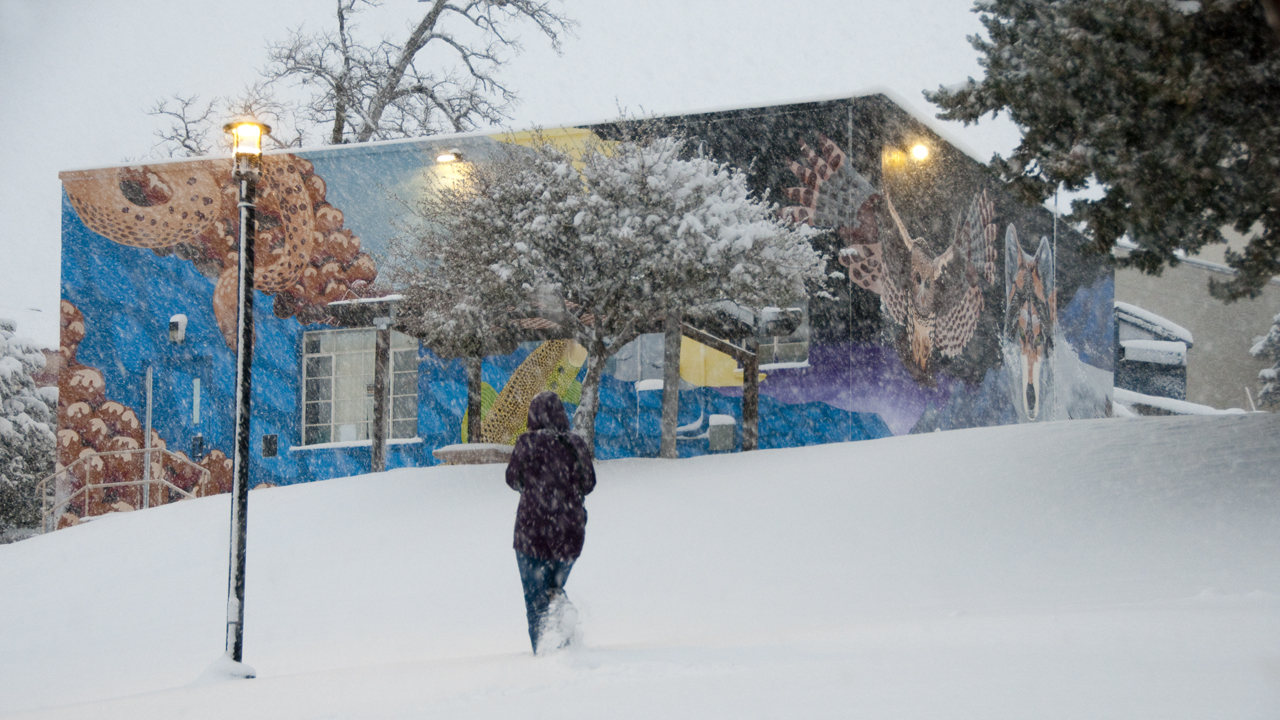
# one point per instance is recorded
(1086, 569)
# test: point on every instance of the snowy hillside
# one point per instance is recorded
(1087, 569)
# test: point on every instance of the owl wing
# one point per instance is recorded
(834, 195)
(958, 274)
(896, 292)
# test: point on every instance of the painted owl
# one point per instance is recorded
(937, 299)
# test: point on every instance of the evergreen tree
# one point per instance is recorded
(27, 430)
(1268, 347)
(1171, 106)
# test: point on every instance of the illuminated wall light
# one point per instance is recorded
(893, 157)
(449, 156)
(919, 152)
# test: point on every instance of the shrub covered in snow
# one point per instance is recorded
(27, 430)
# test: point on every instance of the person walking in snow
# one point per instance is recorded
(551, 468)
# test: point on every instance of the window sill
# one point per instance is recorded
(795, 365)
(353, 443)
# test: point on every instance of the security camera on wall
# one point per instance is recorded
(177, 329)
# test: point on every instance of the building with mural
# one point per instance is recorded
(954, 306)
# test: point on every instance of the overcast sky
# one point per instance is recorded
(77, 76)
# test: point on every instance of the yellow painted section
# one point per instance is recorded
(571, 140)
(707, 367)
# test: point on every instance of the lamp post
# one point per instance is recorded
(246, 136)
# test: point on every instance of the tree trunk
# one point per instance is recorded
(381, 397)
(395, 73)
(584, 418)
(473, 399)
(670, 386)
(751, 397)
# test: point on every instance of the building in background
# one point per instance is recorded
(1220, 373)
(980, 313)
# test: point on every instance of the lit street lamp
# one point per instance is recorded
(246, 136)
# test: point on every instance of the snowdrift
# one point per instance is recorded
(1110, 568)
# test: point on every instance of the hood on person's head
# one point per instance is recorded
(546, 412)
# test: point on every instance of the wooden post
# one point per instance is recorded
(146, 446)
(751, 397)
(381, 361)
(670, 386)
(474, 426)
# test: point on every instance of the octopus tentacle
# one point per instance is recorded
(150, 206)
(303, 254)
(285, 195)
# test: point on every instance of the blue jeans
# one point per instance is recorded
(541, 580)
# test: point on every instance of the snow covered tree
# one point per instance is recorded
(27, 430)
(442, 77)
(1268, 347)
(1171, 106)
(609, 243)
(440, 267)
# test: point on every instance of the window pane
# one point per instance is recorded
(348, 364)
(319, 390)
(319, 367)
(319, 434)
(792, 352)
(350, 388)
(405, 384)
(404, 360)
(350, 411)
(354, 340)
(404, 428)
(404, 406)
(311, 343)
(400, 340)
(351, 432)
(318, 413)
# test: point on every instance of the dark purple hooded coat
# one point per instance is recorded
(551, 469)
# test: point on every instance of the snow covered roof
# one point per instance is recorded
(1128, 398)
(1161, 327)
(1160, 352)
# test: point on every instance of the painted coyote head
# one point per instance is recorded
(1030, 315)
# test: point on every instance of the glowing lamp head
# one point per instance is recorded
(919, 152)
(246, 135)
(448, 156)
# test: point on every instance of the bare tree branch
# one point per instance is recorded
(378, 91)
(441, 78)
(189, 125)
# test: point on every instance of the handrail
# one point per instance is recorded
(52, 506)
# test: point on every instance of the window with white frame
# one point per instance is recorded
(792, 349)
(337, 367)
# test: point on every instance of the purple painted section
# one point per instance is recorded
(857, 378)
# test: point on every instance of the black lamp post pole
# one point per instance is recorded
(246, 172)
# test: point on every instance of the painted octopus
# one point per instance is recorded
(303, 255)
(90, 423)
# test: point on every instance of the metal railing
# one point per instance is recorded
(56, 495)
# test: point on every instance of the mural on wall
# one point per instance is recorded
(931, 322)
(303, 254)
(553, 366)
(90, 423)
(934, 298)
(146, 245)
(934, 324)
